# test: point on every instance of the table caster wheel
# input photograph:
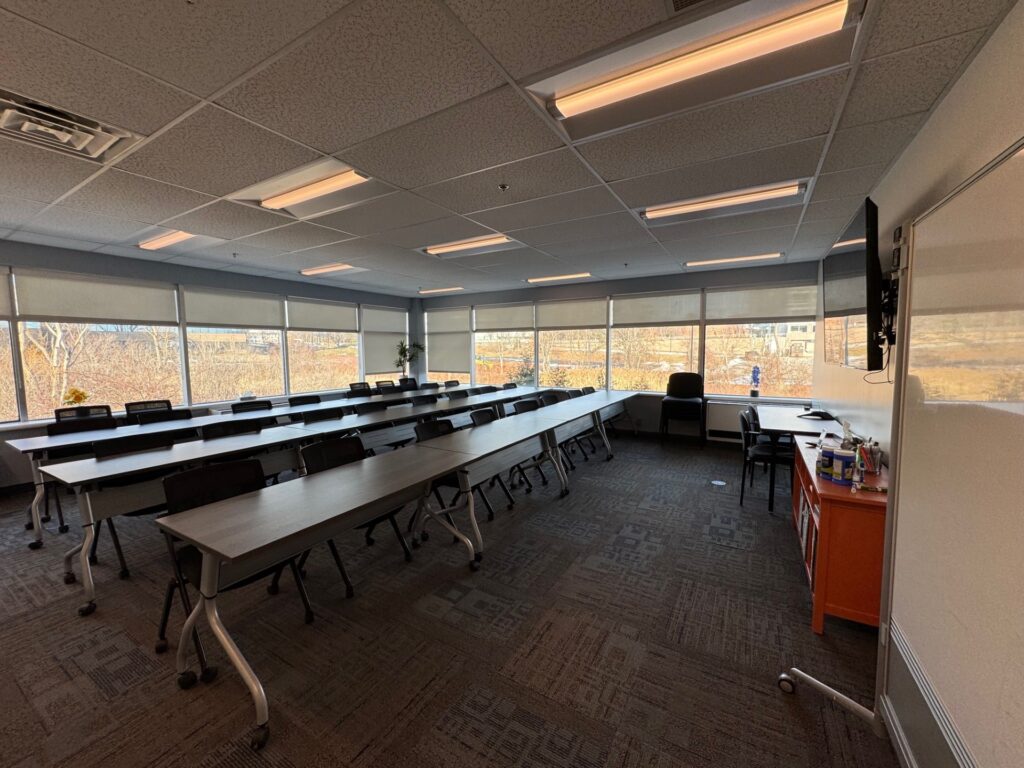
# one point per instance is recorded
(309, 617)
(186, 679)
(29, 525)
(44, 519)
(478, 556)
(529, 490)
(93, 560)
(350, 592)
(425, 536)
(69, 578)
(259, 737)
(62, 529)
(474, 565)
(208, 675)
(86, 609)
(160, 647)
(563, 494)
(786, 683)
(370, 541)
(35, 544)
(273, 589)
(124, 573)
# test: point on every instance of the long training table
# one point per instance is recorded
(245, 534)
(39, 448)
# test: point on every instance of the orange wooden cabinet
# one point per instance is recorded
(842, 534)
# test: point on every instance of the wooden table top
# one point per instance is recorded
(786, 420)
(490, 438)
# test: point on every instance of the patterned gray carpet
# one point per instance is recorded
(639, 622)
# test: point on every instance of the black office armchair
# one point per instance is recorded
(764, 452)
(528, 406)
(683, 401)
(458, 394)
(424, 399)
(246, 406)
(74, 412)
(407, 382)
(196, 488)
(359, 389)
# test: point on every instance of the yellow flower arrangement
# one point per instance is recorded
(75, 396)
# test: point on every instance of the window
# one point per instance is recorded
(322, 360)
(448, 341)
(573, 343)
(784, 355)
(112, 364)
(653, 336)
(383, 329)
(504, 356)
(226, 363)
(8, 391)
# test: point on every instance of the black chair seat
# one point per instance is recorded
(765, 452)
(682, 407)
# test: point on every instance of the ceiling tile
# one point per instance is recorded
(528, 36)
(869, 144)
(72, 223)
(227, 220)
(401, 209)
(838, 208)
(375, 66)
(780, 116)
(234, 252)
(133, 252)
(435, 232)
(724, 225)
(492, 129)
(906, 82)
(812, 244)
(634, 257)
(830, 228)
(855, 181)
(39, 174)
(904, 23)
(350, 251)
(548, 210)
(625, 272)
(579, 229)
(629, 238)
(37, 238)
(494, 258)
(116, 193)
(790, 161)
(198, 46)
(295, 237)
(213, 151)
(41, 65)
(532, 265)
(14, 212)
(548, 174)
(736, 244)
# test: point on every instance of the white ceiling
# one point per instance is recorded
(429, 98)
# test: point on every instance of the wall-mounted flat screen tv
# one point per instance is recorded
(852, 295)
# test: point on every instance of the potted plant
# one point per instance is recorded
(75, 396)
(755, 381)
(407, 354)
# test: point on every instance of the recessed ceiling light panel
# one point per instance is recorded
(471, 246)
(162, 241)
(734, 260)
(740, 201)
(554, 278)
(425, 292)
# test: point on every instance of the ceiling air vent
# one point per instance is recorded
(36, 123)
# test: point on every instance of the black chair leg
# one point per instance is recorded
(543, 477)
(487, 502)
(124, 574)
(275, 583)
(349, 589)
(506, 491)
(771, 488)
(743, 480)
(565, 456)
(62, 527)
(583, 450)
(369, 534)
(299, 585)
(302, 562)
(165, 615)
(401, 539)
(93, 559)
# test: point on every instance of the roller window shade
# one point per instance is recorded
(6, 305)
(448, 352)
(656, 309)
(47, 294)
(384, 320)
(448, 320)
(573, 314)
(240, 310)
(506, 317)
(307, 315)
(379, 351)
(768, 303)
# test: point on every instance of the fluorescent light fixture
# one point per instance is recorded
(440, 290)
(553, 278)
(844, 243)
(734, 259)
(465, 245)
(162, 241)
(750, 45)
(324, 269)
(743, 197)
(320, 188)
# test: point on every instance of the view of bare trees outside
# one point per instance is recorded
(225, 363)
(321, 360)
(504, 356)
(393, 376)
(443, 376)
(643, 358)
(783, 351)
(8, 393)
(113, 364)
(573, 357)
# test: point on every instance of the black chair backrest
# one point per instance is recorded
(152, 417)
(216, 482)
(228, 428)
(251, 405)
(385, 382)
(746, 433)
(574, 393)
(549, 398)
(326, 414)
(332, 453)
(119, 446)
(407, 382)
(487, 390)
(483, 416)
(753, 418)
(430, 385)
(685, 385)
(589, 390)
(424, 399)
(458, 394)
(473, 391)
(525, 406)
(146, 406)
(82, 412)
(371, 407)
(428, 430)
(359, 388)
(81, 425)
(387, 388)
(509, 385)
(304, 400)
(452, 383)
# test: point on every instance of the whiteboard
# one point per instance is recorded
(958, 562)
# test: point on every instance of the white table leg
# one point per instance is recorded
(551, 450)
(467, 490)
(37, 503)
(438, 517)
(83, 550)
(599, 426)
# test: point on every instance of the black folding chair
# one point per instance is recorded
(74, 412)
(303, 400)
(452, 383)
(486, 416)
(134, 410)
(245, 406)
(424, 399)
(359, 389)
